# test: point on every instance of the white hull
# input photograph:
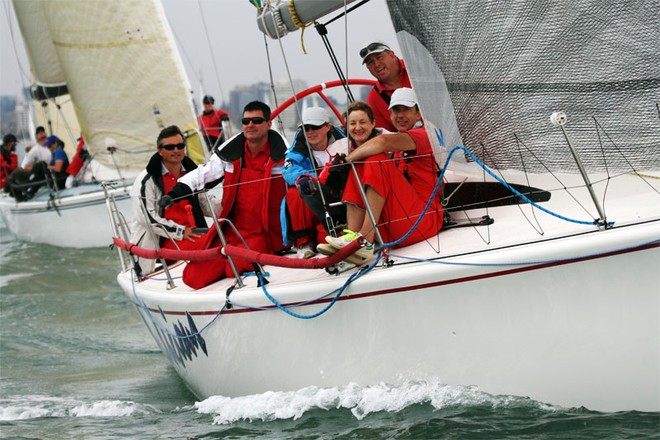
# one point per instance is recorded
(570, 317)
(76, 219)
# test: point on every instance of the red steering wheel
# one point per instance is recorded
(319, 88)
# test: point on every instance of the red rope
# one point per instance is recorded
(295, 263)
(168, 254)
(239, 252)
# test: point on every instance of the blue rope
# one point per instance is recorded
(339, 291)
(482, 165)
(513, 190)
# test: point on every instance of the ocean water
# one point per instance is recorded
(76, 362)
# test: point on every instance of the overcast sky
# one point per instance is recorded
(236, 45)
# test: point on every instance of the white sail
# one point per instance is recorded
(45, 65)
(124, 76)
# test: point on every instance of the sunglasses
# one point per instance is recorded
(171, 147)
(373, 46)
(312, 127)
(256, 120)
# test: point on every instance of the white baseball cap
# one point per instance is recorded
(315, 116)
(403, 96)
(375, 47)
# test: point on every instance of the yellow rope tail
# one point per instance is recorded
(298, 23)
(256, 4)
(646, 175)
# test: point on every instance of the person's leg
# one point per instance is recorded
(315, 204)
(302, 222)
(198, 274)
(376, 202)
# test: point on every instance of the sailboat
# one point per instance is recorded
(546, 126)
(100, 56)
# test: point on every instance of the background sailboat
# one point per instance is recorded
(118, 63)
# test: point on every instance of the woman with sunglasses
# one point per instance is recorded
(176, 226)
(303, 216)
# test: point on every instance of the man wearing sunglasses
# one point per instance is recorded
(174, 227)
(250, 167)
(391, 73)
(303, 213)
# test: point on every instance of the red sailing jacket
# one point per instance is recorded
(211, 124)
(379, 100)
(271, 185)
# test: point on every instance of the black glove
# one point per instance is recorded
(224, 117)
(338, 164)
(180, 191)
(165, 202)
(306, 185)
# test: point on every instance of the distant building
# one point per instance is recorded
(7, 114)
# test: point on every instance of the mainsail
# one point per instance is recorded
(119, 63)
(491, 73)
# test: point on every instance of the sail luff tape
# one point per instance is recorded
(298, 23)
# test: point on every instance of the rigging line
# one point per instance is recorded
(624, 156)
(487, 239)
(346, 11)
(492, 174)
(537, 227)
(185, 53)
(272, 84)
(515, 191)
(208, 41)
(297, 103)
(563, 185)
(349, 93)
(524, 167)
(335, 62)
(607, 170)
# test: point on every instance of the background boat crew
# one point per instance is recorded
(38, 153)
(303, 213)
(250, 166)
(174, 227)
(397, 190)
(59, 161)
(8, 158)
(210, 122)
(391, 73)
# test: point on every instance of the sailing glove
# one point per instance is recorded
(306, 184)
(180, 191)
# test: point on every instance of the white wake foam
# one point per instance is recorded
(361, 401)
(32, 407)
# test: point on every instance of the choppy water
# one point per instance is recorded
(77, 362)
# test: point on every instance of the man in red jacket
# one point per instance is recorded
(210, 122)
(391, 73)
(8, 159)
(250, 164)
